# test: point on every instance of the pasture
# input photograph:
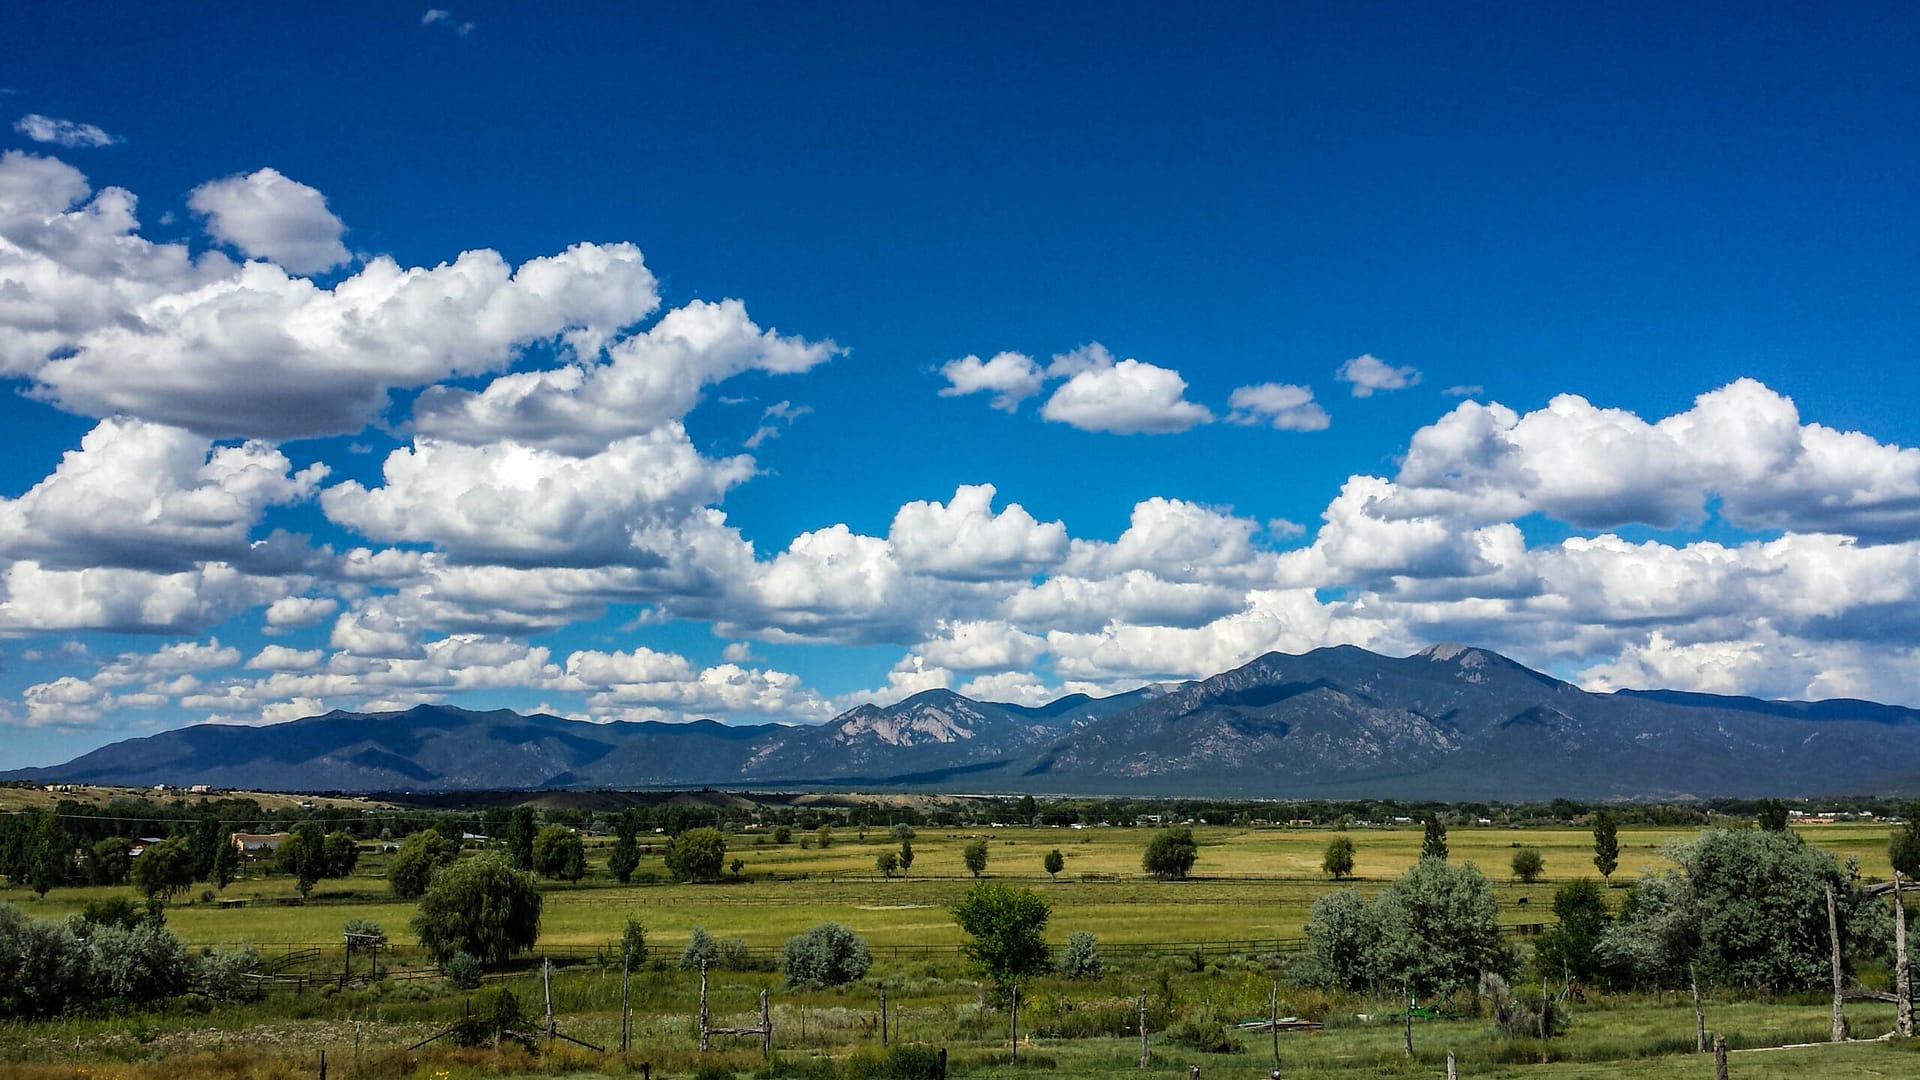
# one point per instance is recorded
(1252, 886)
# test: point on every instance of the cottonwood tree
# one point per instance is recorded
(1528, 864)
(1171, 854)
(624, 859)
(1006, 929)
(559, 853)
(696, 855)
(411, 870)
(1053, 863)
(163, 870)
(1571, 947)
(974, 855)
(1338, 860)
(1904, 846)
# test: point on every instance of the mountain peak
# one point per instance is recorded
(1447, 651)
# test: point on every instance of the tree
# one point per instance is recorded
(1606, 844)
(887, 862)
(109, 861)
(163, 869)
(1005, 927)
(1028, 809)
(1338, 861)
(521, 828)
(411, 870)
(824, 836)
(906, 855)
(902, 831)
(826, 955)
(1572, 946)
(342, 854)
(1171, 854)
(1434, 844)
(624, 859)
(48, 855)
(226, 865)
(1904, 846)
(1340, 941)
(1054, 863)
(1748, 907)
(1528, 864)
(633, 944)
(1771, 815)
(783, 834)
(974, 855)
(304, 855)
(696, 855)
(481, 906)
(1438, 929)
(559, 853)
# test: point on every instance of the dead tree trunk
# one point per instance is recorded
(1902, 990)
(766, 1026)
(1452, 1073)
(1839, 989)
(626, 1002)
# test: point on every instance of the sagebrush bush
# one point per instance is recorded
(1082, 959)
(826, 955)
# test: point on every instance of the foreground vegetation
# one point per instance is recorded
(1251, 885)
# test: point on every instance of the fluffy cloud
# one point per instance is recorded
(36, 598)
(268, 216)
(644, 684)
(1126, 397)
(1601, 468)
(520, 505)
(966, 540)
(648, 381)
(1369, 373)
(263, 353)
(1278, 405)
(150, 497)
(70, 263)
(69, 133)
(1010, 377)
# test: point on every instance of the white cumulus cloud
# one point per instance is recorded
(266, 215)
(68, 133)
(1368, 373)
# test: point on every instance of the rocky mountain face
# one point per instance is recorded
(1447, 722)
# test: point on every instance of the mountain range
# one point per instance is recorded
(1449, 722)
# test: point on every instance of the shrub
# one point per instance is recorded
(1203, 1031)
(701, 951)
(118, 911)
(1082, 959)
(826, 955)
(222, 976)
(462, 971)
(1527, 864)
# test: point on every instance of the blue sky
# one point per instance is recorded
(656, 364)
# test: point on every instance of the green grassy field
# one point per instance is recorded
(1249, 883)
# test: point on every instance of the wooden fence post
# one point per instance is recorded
(1144, 1053)
(1452, 1073)
(1406, 1017)
(1273, 1019)
(1013, 1029)
(704, 1040)
(1902, 974)
(1699, 1014)
(1720, 1057)
(883, 1016)
(1839, 990)
(626, 1000)
(766, 1026)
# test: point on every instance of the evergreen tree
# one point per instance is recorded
(1434, 844)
